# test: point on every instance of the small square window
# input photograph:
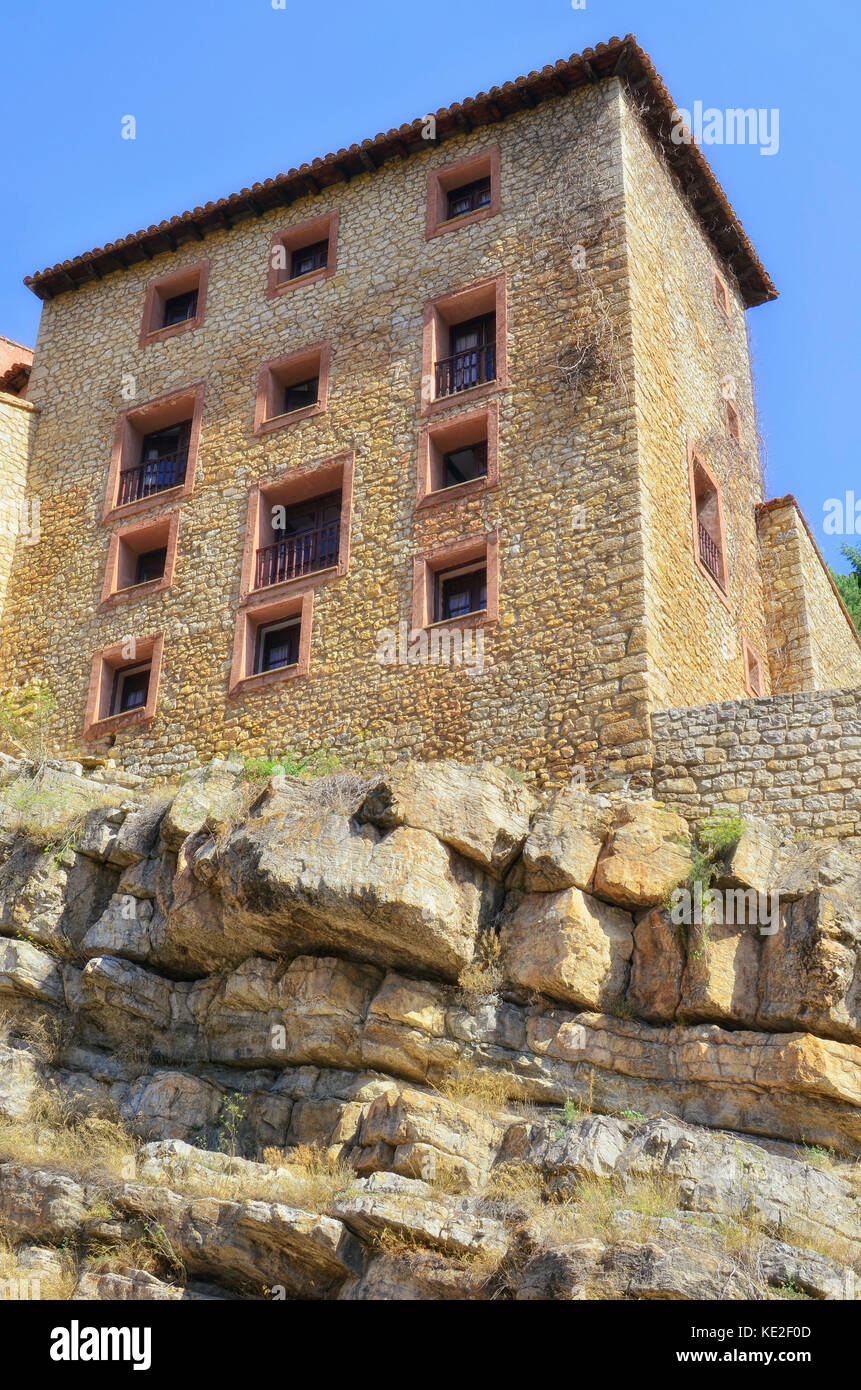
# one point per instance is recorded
(460, 592)
(174, 303)
(151, 565)
(458, 455)
(179, 308)
(131, 689)
(272, 643)
(465, 465)
(463, 193)
(303, 254)
(301, 395)
(470, 198)
(292, 388)
(124, 683)
(277, 646)
(141, 559)
(458, 584)
(309, 259)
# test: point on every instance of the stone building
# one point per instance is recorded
(442, 444)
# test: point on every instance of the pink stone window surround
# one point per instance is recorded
(449, 177)
(721, 294)
(126, 546)
(291, 239)
(445, 435)
(732, 423)
(290, 489)
(446, 311)
(278, 374)
(136, 422)
(709, 535)
(456, 555)
(753, 669)
(249, 620)
(192, 278)
(98, 721)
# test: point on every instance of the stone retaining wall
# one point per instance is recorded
(794, 757)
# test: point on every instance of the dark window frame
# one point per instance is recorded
(473, 194)
(475, 570)
(319, 253)
(121, 676)
(266, 630)
(145, 555)
(302, 405)
(191, 296)
(479, 453)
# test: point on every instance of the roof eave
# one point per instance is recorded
(622, 58)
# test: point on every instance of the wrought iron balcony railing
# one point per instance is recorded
(156, 475)
(297, 555)
(710, 554)
(465, 369)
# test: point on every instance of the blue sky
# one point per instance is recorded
(230, 91)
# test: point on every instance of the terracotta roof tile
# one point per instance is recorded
(623, 58)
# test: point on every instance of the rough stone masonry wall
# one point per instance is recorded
(813, 644)
(564, 681)
(687, 354)
(795, 758)
(18, 420)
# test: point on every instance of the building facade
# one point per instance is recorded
(444, 445)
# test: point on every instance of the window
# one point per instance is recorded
(301, 395)
(753, 675)
(464, 343)
(155, 453)
(298, 528)
(720, 291)
(303, 254)
(162, 464)
(124, 683)
(457, 455)
(312, 258)
(131, 687)
(457, 584)
(472, 356)
(460, 592)
(463, 193)
(277, 645)
(150, 566)
(292, 388)
(470, 198)
(174, 303)
(272, 643)
(707, 516)
(141, 559)
(179, 308)
(465, 465)
(732, 422)
(306, 538)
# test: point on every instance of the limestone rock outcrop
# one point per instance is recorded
(375, 1038)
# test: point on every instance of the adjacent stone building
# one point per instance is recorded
(443, 444)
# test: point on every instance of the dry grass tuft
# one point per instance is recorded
(56, 1286)
(88, 1145)
(486, 1092)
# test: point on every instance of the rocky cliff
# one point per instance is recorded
(420, 1035)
